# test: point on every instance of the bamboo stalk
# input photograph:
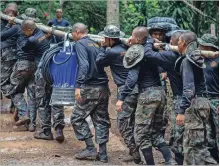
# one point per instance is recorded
(60, 33)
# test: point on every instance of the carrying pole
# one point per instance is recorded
(55, 32)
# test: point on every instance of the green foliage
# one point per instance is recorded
(132, 13)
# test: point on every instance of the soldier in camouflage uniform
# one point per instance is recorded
(194, 108)
(158, 32)
(8, 51)
(43, 95)
(210, 43)
(151, 100)
(92, 96)
(113, 58)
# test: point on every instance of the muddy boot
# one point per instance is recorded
(179, 159)
(102, 155)
(44, 134)
(15, 117)
(59, 134)
(148, 156)
(31, 127)
(127, 158)
(164, 149)
(22, 121)
(87, 154)
(12, 110)
(136, 157)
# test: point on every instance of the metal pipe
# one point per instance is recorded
(55, 32)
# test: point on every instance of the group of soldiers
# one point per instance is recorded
(190, 63)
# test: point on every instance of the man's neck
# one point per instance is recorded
(59, 19)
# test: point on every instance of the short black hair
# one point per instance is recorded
(189, 37)
(175, 37)
(141, 32)
(80, 27)
(28, 24)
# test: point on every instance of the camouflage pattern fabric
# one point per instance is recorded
(43, 95)
(125, 119)
(209, 40)
(215, 118)
(7, 63)
(149, 117)
(176, 135)
(23, 77)
(94, 103)
(195, 140)
(213, 129)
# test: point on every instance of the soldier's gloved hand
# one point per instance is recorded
(77, 95)
(180, 119)
(119, 105)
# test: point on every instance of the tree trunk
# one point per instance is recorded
(196, 16)
(113, 12)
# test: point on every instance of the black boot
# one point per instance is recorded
(44, 134)
(164, 149)
(102, 155)
(179, 158)
(136, 155)
(148, 156)
(59, 134)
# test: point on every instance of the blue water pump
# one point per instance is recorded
(63, 68)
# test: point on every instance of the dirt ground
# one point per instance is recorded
(18, 146)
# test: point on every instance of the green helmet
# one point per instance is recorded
(111, 31)
(31, 12)
(208, 40)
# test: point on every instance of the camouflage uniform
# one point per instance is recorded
(8, 61)
(176, 136)
(148, 118)
(23, 77)
(125, 119)
(43, 95)
(211, 73)
(195, 150)
(94, 103)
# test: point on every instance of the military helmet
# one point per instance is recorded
(208, 40)
(30, 12)
(111, 31)
(133, 55)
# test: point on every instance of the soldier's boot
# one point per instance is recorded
(102, 155)
(89, 153)
(148, 156)
(44, 134)
(12, 109)
(163, 148)
(179, 159)
(23, 121)
(136, 157)
(59, 134)
(31, 127)
(15, 117)
(127, 158)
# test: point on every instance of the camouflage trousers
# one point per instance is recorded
(45, 110)
(195, 140)
(94, 103)
(149, 118)
(7, 63)
(176, 135)
(23, 77)
(125, 119)
(213, 129)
